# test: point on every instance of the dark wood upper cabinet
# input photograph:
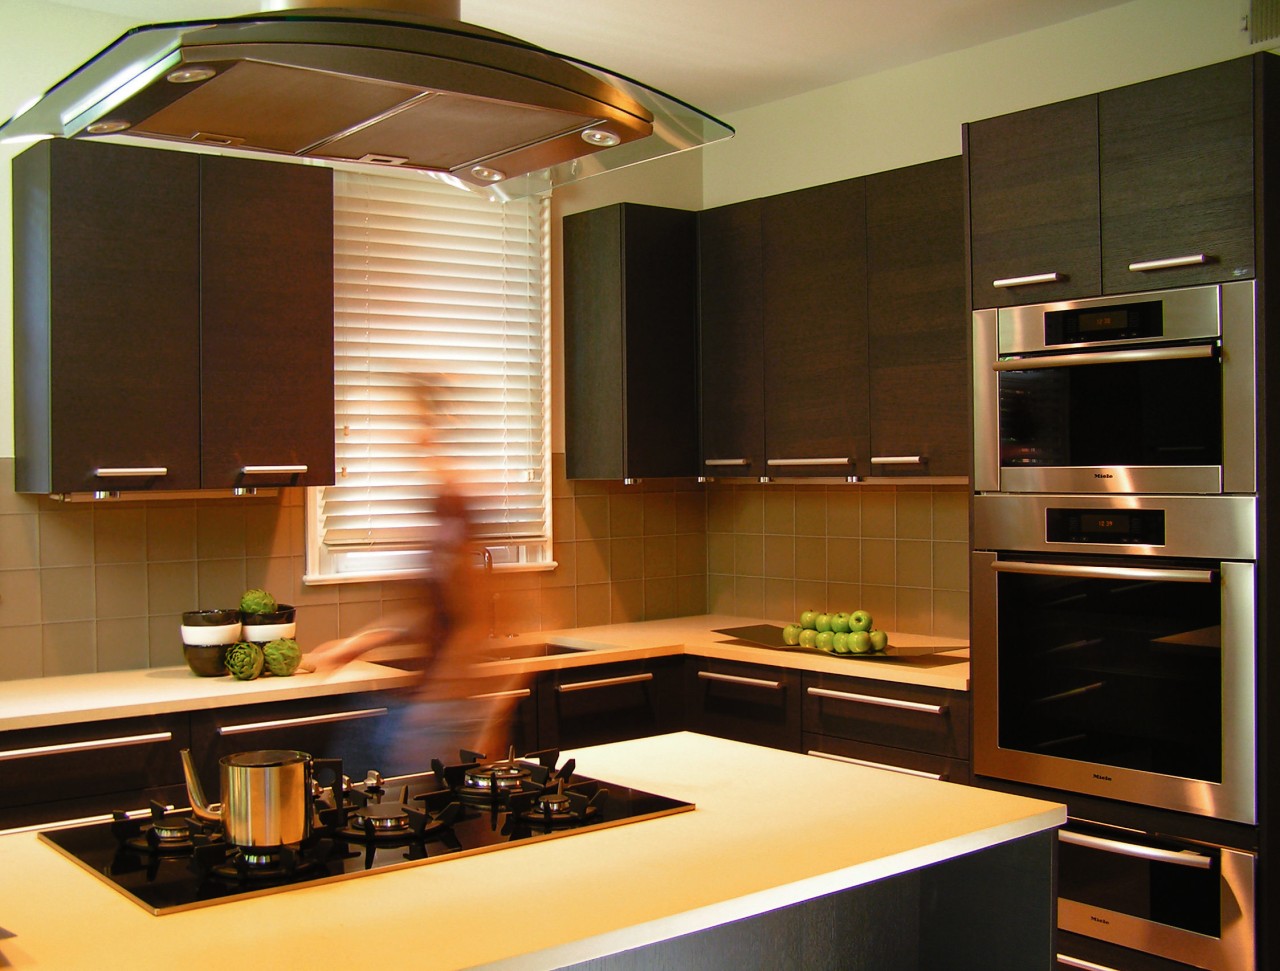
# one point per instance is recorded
(917, 321)
(815, 334)
(631, 343)
(1033, 204)
(731, 309)
(173, 320)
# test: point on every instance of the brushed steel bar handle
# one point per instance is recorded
(333, 716)
(153, 470)
(738, 679)
(1026, 281)
(604, 682)
(86, 746)
(1168, 263)
(897, 460)
(878, 700)
(824, 461)
(1189, 858)
(273, 469)
(1107, 357)
(877, 765)
(1081, 963)
(726, 462)
(501, 695)
(1104, 572)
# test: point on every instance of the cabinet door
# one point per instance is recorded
(107, 328)
(890, 757)
(1034, 204)
(917, 322)
(609, 702)
(267, 334)
(732, 340)
(815, 300)
(746, 702)
(1177, 161)
(916, 717)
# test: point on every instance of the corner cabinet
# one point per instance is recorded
(1143, 187)
(173, 320)
(631, 343)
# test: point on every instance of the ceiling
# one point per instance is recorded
(720, 55)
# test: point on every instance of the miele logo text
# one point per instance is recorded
(1101, 777)
(1103, 475)
(1098, 920)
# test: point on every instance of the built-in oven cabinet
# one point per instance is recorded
(1143, 187)
(751, 703)
(834, 332)
(916, 729)
(173, 320)
(610, 702)
(72, 771)
(631, 342)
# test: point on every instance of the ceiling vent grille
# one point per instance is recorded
(1264, 20)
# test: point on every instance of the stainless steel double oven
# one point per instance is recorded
(1114, 589)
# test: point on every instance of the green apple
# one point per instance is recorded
(822, 622)
(791, 634)
(860, 642)
(807, 618)
(840, 642)
(824, 640)
(859, 620)
(879, 640)
(840, 623)
(808, 637)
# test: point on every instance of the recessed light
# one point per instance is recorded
(190, 75)
(486, 174)
(108, 127)
(600, 137)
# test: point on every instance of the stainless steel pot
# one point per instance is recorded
(266, 797)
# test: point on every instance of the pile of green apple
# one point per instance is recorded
(839, 633)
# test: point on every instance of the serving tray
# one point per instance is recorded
(770, 635)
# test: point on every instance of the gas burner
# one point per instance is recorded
(167, 833)
(558, 807)
(381, 818)
(260, 866)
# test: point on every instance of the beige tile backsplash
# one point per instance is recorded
(100, 586)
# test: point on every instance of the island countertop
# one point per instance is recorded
(42, 702)
(612, 889)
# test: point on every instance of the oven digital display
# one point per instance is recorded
(1116, 322)
(1130, 527)
(1108, 524)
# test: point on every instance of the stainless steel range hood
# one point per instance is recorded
(391, 88)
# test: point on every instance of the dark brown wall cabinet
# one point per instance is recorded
(1143, 187)
(834, 329)
(631, 343)
(173, 320)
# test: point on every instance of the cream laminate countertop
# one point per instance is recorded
(579, 897)
(42, 702)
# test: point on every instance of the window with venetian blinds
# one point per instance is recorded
(438, 282)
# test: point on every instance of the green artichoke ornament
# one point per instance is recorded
(245, 660)
(257, 602)
(282, 656)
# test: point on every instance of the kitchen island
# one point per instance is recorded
(786, 861)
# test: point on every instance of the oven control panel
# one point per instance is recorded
(1131, 527)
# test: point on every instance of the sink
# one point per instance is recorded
(512, 652)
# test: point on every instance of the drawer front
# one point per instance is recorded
(923, 764)
(109, 759)
(519, 706)
(746, 702)
(609, 702)
(888, 713)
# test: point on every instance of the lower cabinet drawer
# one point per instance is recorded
(905, 716)
(68, 771)
(886, 757)
(609, 702)
(745, 702)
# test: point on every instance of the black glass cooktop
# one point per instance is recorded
(166, 860)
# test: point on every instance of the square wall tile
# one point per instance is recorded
(592, 604)
(626, 601)
(19, 598)
(659, 513)
(220, 531)
(811, 511)
(19, 541)
(720, 509)
(779, 601)
(66, 537)
(164, 640)
(171, 588)
(811, 558)
(720, 594)
(626, 515)
(66, 594)
(317, 624)
(171, 532)
(879, 507)
(691, 511)
(122, 644)
(220, 583)
(691, 595)
(779, 511)
(748, 513)
(591, 517)
(660, 558)
(879, 562)
(951, 514)
(691, 553)
(69, 648)
(120, 590)
(660, 598)
(780, 556)
(951, 613)
(626, 558)
(748, 554)
(556, 607)
(914, 562)
(748, 596)
(21, 653)
(844, 513)
(915, 611)
(119, 534)
(914, 513)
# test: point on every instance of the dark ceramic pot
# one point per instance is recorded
(208, 661)
(283, 614)
(211, 618)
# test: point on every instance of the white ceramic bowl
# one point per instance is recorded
(215, 634)
(261, 633)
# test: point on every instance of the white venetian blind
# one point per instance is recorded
(432, 280)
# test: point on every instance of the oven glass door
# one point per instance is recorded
(1126, 677)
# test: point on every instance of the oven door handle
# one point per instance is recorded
(1189, 858)
(1104, 572)
(1107, 357)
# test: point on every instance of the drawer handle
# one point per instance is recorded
(897, 460)
(86, 746)
(273, 469)
(939, 777)
(738, 679)
(1158, 574)
(333, 716)
(1197, 861)
(827, 461)
(604, 682)
(501, 695)
(128, 472)
(1168, 263)
(1082, 964)
(726, 462)
(877, 700)
(1026, 281)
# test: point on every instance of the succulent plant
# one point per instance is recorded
(257, 602)
(282, 656)
(245, 660)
